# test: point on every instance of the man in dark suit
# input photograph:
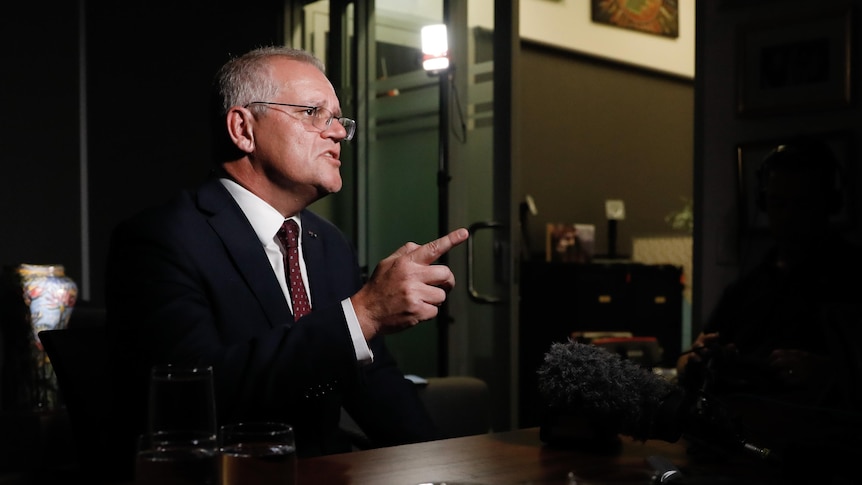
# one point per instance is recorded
(201, 280)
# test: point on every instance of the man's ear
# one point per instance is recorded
(240, 129)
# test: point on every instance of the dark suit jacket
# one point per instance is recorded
(188, 282)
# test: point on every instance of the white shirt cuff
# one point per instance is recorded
(360, 346)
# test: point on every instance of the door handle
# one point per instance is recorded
(475, 295)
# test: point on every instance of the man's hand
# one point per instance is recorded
(406, 288)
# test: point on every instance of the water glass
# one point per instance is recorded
(176, 458)
(257, 453)
(182, 400)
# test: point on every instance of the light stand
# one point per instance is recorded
(435, 60)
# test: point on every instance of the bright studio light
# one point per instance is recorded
(435, 48)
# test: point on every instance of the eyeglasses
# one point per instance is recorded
(321, 118)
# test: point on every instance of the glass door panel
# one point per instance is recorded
(402, 185)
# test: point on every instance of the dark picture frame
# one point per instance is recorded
(795, 65)
(749, 157)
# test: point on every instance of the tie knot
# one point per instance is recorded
(289, 233)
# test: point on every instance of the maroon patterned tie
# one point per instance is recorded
(289, 237)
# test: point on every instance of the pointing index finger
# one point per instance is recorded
(430, 252)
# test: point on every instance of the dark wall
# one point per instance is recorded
(149, 72)
(593, 130)
(39, 179)
(148, 67)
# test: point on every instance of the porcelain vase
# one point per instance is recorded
(45, 300)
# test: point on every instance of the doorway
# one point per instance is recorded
(429, 157)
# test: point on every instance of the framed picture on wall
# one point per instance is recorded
(659, 17)
(749, 158)
(570, 243)
(794, 66)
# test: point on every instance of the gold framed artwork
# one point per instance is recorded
(659, 17)
(794, 65)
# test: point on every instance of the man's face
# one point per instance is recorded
(297, 156)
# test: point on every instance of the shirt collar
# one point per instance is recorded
(264, 219)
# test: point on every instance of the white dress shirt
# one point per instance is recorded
(266, 221)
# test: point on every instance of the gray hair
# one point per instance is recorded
(247, 78)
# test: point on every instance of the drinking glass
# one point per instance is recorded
(182, 400)
(179, 446)
(176, 458)
(257, 453)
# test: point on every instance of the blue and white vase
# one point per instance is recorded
(50, 294)
(48, 297)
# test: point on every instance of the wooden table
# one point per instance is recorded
(516, 457)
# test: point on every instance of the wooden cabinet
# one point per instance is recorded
(558, 299)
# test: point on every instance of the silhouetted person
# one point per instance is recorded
(782, 346)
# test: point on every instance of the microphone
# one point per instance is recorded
(619, 396)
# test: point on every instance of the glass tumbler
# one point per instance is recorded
(257, 453)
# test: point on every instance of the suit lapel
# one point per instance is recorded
(315, 260)
(241, 242)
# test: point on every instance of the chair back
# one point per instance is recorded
(80, 360)
(459, 405)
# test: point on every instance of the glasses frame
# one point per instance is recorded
(348, 124)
